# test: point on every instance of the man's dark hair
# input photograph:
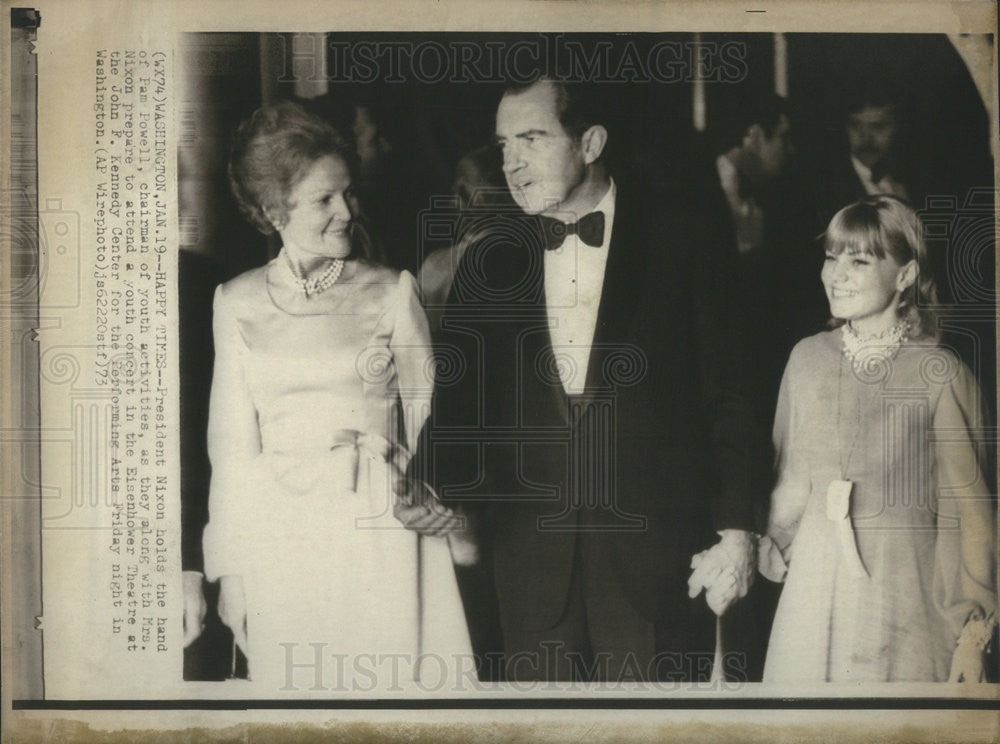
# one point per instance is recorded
(730, 125)
(578, 103)
(872, 93)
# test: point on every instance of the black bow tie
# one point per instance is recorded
(590, 229)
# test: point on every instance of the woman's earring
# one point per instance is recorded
(276, 223)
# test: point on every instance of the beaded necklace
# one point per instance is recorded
(321, 283)
(863, 352)
(869, 357)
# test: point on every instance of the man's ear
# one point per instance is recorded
(592, 143)
(907, 276)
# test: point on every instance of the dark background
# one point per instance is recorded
(431, 125)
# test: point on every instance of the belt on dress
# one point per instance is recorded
(375, 446)
(372, 454)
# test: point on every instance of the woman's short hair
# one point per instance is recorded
(272, 151)
(886, 226)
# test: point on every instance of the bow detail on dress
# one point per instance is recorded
(838, 510)
(343, 460)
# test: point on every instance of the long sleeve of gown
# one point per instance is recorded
(965, 557)
(233, 440)
(791, 490)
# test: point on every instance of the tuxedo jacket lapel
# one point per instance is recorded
(619, 294)
(545, 354)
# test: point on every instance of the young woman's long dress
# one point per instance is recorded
(904, 432)
(304, 411)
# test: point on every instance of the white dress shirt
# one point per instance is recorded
(574, 277)
(887, 185)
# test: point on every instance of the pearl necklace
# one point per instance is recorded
(320, 283)
(864, 351)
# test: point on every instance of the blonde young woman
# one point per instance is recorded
(881, 525)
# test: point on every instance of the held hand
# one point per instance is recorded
(233, 608)
(195, 607)
(711, 574)
(462, 542)
(740, 549)
(723, 592)
(725, 571)
(420, 510)
(772, 561)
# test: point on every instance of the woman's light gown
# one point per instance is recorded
(907, 433)
(310, 396)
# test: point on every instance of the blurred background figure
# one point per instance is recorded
(872, 128)
(753, 150)
(381, 188)
(481, 191)
(754, 147)
(869, 159)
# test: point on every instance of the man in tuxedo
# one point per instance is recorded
(597, 424)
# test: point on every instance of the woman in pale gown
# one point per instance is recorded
(322, 381)
(881, 525)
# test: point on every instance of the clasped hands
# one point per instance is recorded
(725, 571)
(418, 508)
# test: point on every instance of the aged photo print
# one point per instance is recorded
(370, 369)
